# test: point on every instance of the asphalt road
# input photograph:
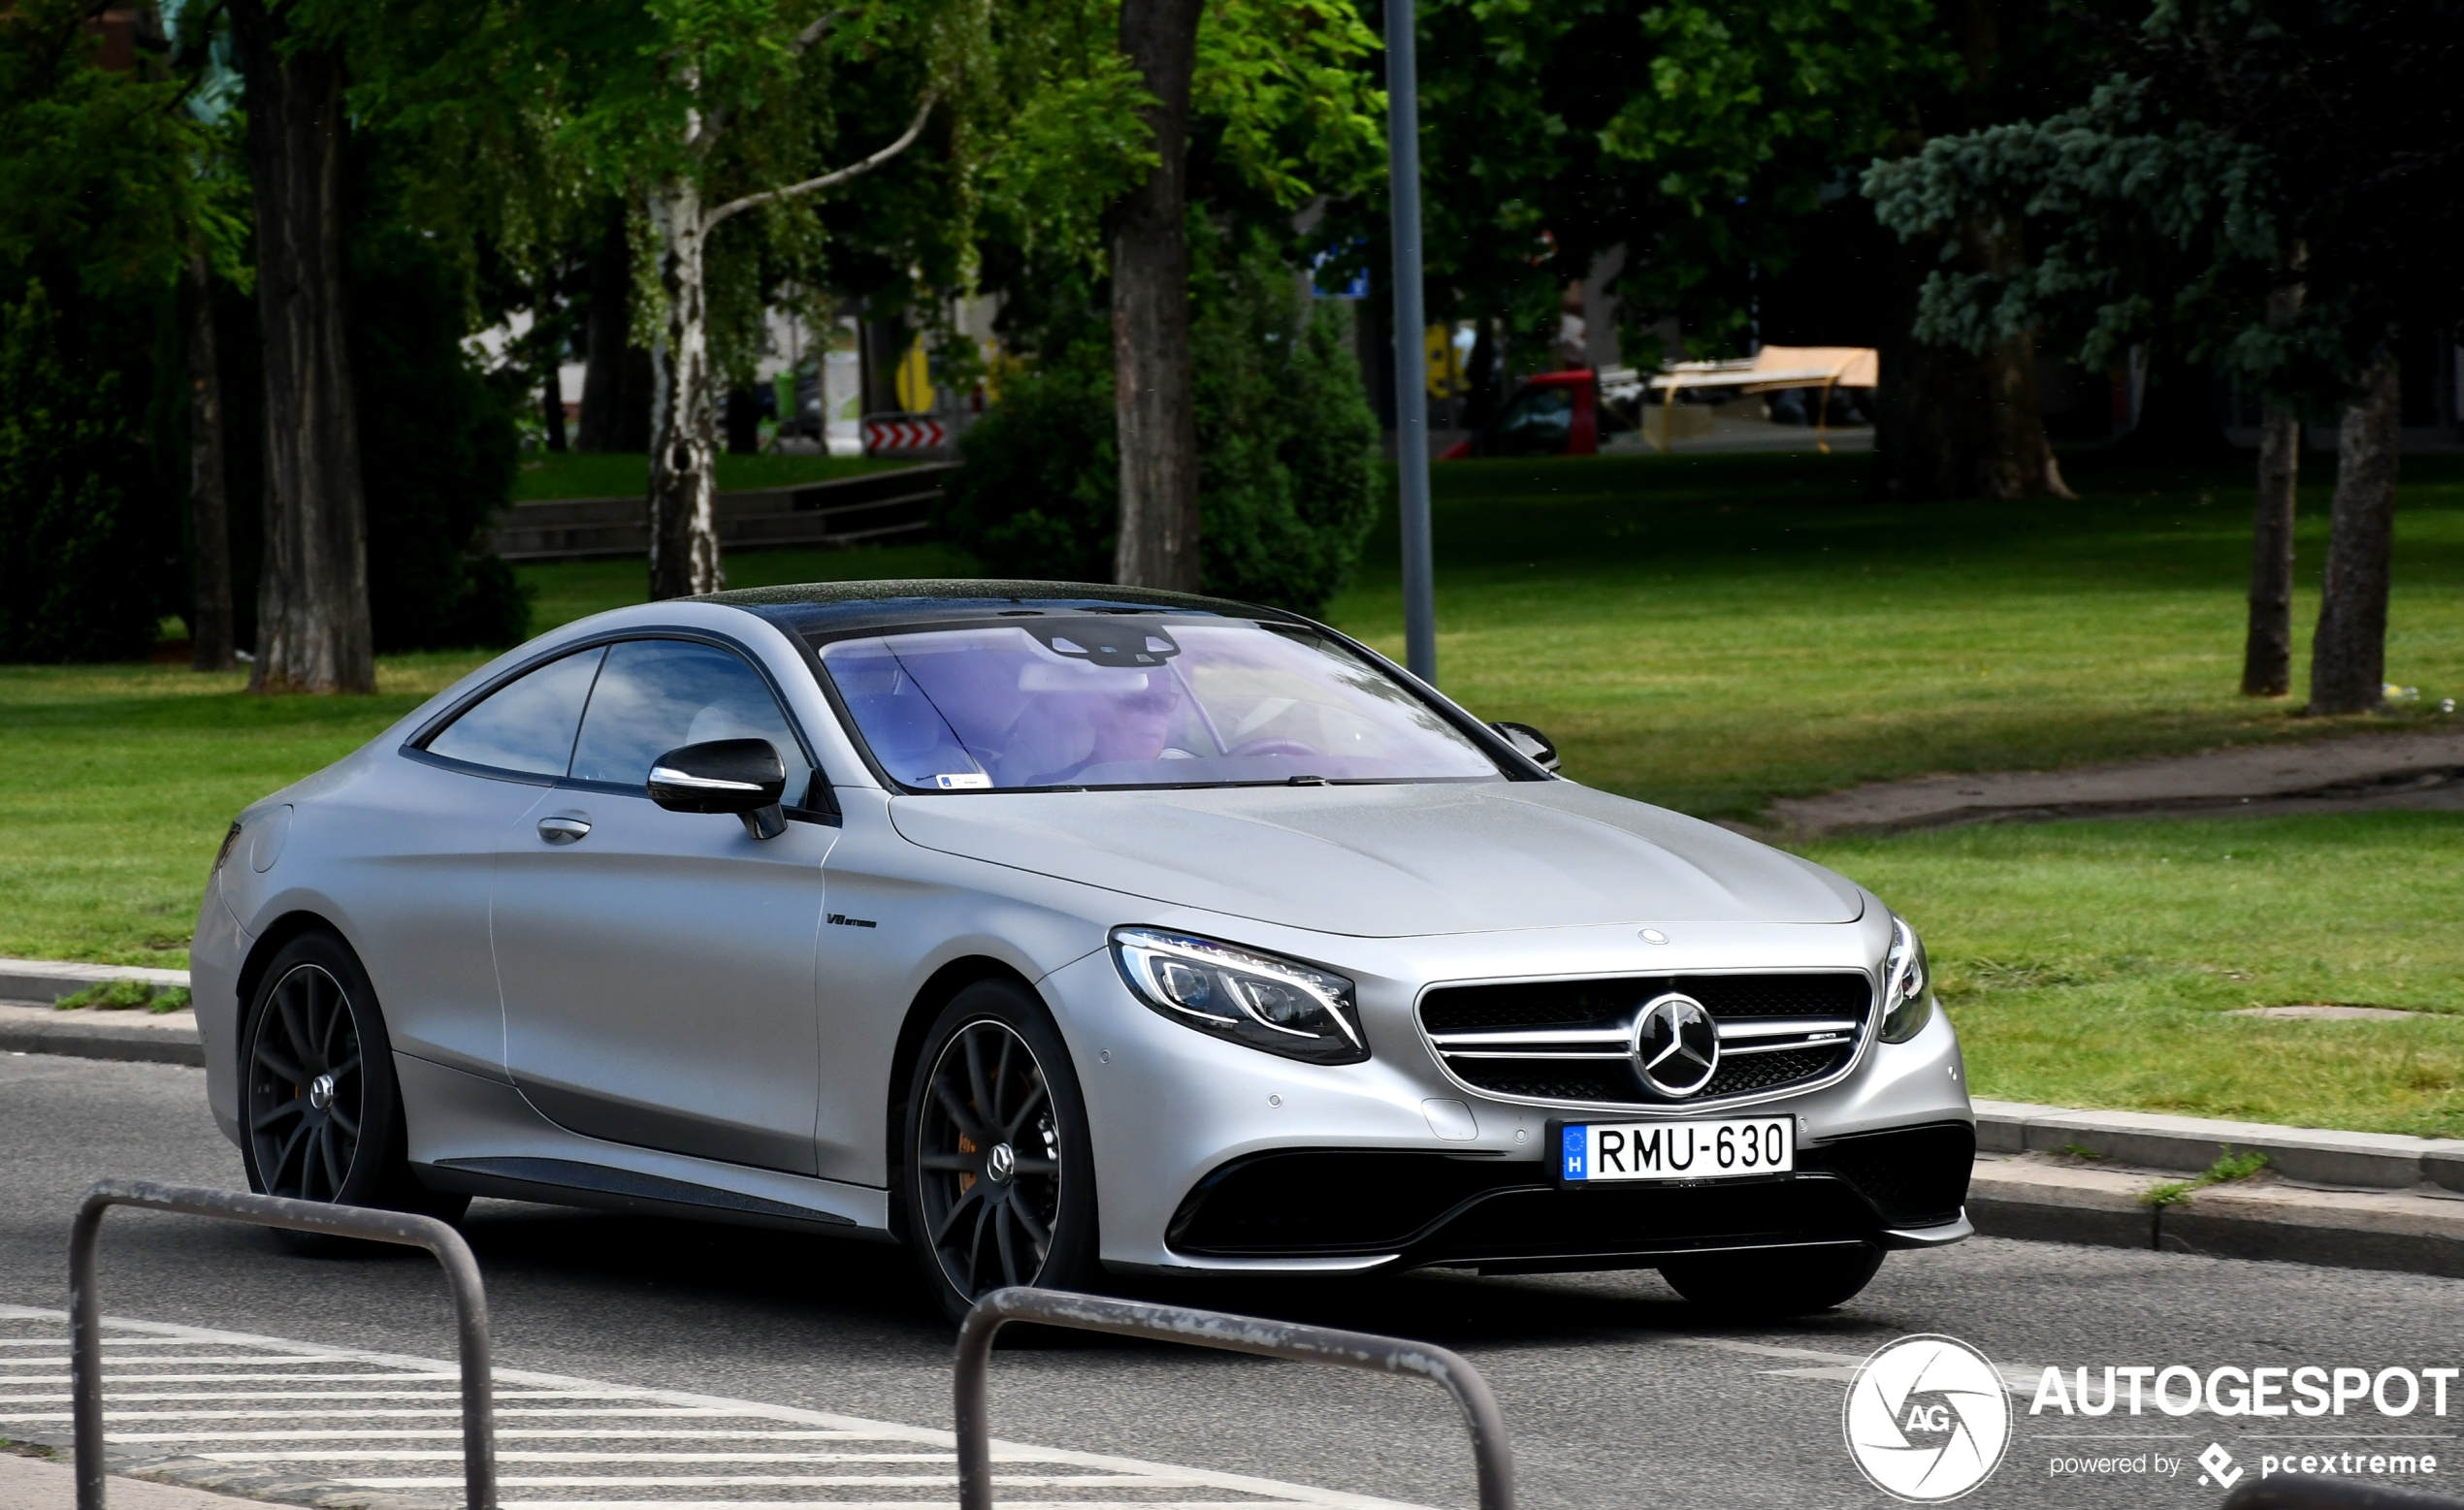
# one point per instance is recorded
(1617, 1393)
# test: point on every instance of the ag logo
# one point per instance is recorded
(1926, 1419)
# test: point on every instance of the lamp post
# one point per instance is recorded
(1410, 325)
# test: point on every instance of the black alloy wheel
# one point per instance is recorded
(318, 1104)
(307, 1089)
(999, 1178)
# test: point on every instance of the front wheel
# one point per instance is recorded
(1000, 1177)
(320, 1113)
(1775, 1282)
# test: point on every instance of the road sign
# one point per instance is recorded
(894, 434)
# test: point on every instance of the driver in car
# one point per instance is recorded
(1080, 715)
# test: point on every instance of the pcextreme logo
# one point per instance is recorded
(1926, 1419)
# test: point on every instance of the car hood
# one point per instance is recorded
(1390, 860)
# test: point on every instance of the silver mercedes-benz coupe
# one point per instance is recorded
(1055, 929)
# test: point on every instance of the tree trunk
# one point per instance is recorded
(209, 628)
(1155, 412)
(552, 407)
(2018, 461)
(684, 498)
(2267, 655)
(2348, 658)
(312, 623)
(611, 391)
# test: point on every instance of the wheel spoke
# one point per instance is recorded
(1001, 1240)
(330, 1154)
(287, 1000)
(343, 1120)
(1018, 1118)
(955, 1104)
(332, 1024)
(975, 1249)
(951, 1163)
(282, 1159)
(297, 1106)
(1000, 1082)
(1027, 1167)
(975, 1079)
(1035, 1230)
(949, 1222)
(283, 1069)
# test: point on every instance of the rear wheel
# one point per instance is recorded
(1000, 1179)
(320, 1113)
(1777, 1282)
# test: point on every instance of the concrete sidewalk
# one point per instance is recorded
(42, 1483)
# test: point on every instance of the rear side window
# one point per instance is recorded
(528, 724)
(657, 694)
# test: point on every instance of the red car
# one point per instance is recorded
(1553, 414)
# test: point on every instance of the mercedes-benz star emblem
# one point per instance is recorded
(1677, 1046)
(1000, 1164)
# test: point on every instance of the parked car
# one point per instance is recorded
(1553, 414)
(1059, 930)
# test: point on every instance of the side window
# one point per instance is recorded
(527, 725)
(657, 694)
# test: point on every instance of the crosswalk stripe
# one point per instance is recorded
(217, 1436)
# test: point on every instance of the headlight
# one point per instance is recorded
(224, 854)
(1277, 1005)
(1907, 998)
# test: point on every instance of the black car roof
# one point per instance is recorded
(834, 608)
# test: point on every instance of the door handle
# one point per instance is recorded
(563, 829)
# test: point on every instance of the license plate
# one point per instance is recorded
(1591, 1153)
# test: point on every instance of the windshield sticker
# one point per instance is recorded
(965, 780)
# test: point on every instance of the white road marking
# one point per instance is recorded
(660, 1428)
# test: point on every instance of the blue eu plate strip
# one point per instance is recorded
(1577, 1146)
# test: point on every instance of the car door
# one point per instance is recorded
(424, 843)
(658, 967)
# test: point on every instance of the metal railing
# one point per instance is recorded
(2317, 1492)
(86, 1306)
(1491, 1456)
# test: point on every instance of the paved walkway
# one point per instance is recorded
(2358, 773)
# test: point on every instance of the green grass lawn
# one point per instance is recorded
(1706, 632)
(600, 475)
(2093, 963)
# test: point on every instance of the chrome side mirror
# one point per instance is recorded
(740, 775)
(1531, 742)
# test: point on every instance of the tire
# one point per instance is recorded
(994, 1076)
(320, 1115)
(1781, 1282)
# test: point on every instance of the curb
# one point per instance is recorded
(2315, 1156)
(87, 1034)
(47, 981)
(2030, 1196)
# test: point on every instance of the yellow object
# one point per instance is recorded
(1446, 378)
(914, 380)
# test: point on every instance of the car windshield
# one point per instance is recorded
(1137, 701)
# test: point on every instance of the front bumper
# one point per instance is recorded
(1213, 1157)
(1414, 1209)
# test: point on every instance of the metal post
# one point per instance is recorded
(1492, 1457)
(1412, 358)
(462, 1277)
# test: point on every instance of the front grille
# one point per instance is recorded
(1569, 1040)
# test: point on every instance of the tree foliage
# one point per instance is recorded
(1286, 486)
(1698, 135)
(2238, 146)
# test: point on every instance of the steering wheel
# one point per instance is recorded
(1272, 747)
